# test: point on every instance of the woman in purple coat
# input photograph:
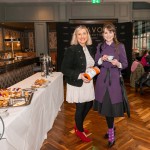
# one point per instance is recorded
(111, 58)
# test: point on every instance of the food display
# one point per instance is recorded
(15, 97)
(39, 83)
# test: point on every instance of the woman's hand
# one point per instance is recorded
(115, 62)
(104, 57)
(97, 68)
(84, 78)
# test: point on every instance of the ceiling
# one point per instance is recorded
(72, 1)
(30, 25)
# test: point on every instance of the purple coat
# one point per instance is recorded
(114, 88)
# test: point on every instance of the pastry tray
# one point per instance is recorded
(40, 86)
(19, 101)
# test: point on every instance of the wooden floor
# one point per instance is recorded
(131, 133)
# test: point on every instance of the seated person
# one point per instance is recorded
(144, 62)
(137, 71)
(148, 62)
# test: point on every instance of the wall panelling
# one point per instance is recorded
(29, 12)
(141, 14)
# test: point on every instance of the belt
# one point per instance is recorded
(108, 75)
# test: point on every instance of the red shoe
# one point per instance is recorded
(75, 129)
(82, 136)
(85, 130)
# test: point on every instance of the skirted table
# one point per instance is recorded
(26, 127)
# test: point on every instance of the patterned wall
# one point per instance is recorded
(20, 40)
(31, 41)
(1, 40)
(52, 40)
(8, 34)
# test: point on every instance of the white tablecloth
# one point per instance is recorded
(26, 127)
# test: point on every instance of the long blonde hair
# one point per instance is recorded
(74, 36)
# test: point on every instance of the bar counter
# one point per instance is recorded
(13, 71)
(8, 64)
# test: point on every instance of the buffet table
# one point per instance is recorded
(26, 127)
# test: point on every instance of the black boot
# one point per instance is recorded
(106, 135)
(110, 144)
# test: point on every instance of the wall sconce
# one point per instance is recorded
(18, 43)
(7, 44)
(11, 40)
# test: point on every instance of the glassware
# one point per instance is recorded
(11, 101)
(51, 70)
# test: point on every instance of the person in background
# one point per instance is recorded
(77, 59)
(137, 70)
(144, 62)
(111, 59)
(148, 62)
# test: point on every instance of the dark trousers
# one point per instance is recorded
(82, 110)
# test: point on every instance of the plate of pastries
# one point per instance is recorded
(40, 83)
(12, 96)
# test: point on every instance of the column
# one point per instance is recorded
(41, 38)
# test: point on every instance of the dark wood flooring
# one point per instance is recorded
(131, 133)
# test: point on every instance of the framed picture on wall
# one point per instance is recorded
(52, 41)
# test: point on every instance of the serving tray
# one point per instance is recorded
(19, 101)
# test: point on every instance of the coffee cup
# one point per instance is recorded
(110, 58)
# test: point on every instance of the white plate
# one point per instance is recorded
(41, 86)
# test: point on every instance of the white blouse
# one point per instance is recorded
(84, 93)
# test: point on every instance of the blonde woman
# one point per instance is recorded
(77, 58)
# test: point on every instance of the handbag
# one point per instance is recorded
(126, 106)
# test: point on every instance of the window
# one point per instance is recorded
(141, 35)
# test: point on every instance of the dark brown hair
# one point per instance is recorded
(112, 28)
